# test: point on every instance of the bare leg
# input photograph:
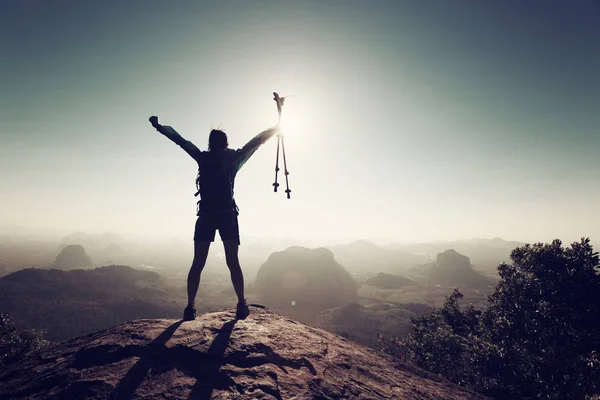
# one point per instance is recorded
(193, 280)
(233, 262)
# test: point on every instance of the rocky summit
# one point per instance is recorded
(266, 356)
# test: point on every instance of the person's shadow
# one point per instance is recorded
(135, 376)
(210, 378)
(207, 376)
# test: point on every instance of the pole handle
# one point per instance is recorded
(279, 100)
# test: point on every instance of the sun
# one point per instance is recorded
(293, 120)
(300, 118)
(289, 121)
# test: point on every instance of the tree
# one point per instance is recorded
(15, 345)
(453, 343)
(539, 337)
(544, 315)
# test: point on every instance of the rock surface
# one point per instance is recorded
(266, 356)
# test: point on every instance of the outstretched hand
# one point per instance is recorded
(154, 121)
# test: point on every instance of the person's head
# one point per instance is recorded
(217, 140)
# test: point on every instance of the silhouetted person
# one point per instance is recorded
(217, 210)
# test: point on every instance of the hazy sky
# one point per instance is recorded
(411, 120)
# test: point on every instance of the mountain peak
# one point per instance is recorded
(72, 256)
(265, 356)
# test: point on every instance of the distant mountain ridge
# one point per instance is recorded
(454, 269)
(70, 303)
(362, 258)
(302, 281)
(72, 256)
(485, 252)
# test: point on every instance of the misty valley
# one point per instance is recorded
(83, 283)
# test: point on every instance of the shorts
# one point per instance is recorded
(225, 222)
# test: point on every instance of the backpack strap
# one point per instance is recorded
(197, 184)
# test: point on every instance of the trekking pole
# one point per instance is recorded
(276, 185)
(279, 100)
(285, 171)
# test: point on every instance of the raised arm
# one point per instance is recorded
(172, 134)
(243, 154)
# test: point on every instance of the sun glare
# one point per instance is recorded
(294, 119)
(288, 123)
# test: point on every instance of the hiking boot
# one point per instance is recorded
(189, 314)
(242, 310)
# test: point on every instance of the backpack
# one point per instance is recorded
(215, 187)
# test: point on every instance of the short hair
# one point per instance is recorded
(217, 140)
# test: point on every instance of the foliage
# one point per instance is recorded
(15, 345)
(538, 337)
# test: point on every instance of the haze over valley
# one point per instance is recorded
(308, 284)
